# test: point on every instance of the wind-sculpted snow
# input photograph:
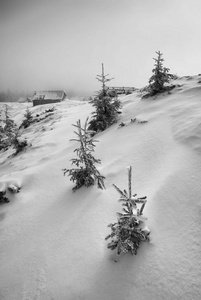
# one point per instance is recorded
(52, 240)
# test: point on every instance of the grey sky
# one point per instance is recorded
(61, 43)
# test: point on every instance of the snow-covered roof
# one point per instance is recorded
(49, 95)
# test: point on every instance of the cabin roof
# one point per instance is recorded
(49, 95)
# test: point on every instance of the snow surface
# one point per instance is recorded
(52, 240)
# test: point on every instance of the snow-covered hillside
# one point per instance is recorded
(52, 241)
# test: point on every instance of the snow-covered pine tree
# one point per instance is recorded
(9, 134)
(7, 129)
(129, 230)
(106, 106)
(85, 173)
(10, 125)
(18, 144)
(28, 119)
(160, 76)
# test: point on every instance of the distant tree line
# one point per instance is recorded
(9, 96)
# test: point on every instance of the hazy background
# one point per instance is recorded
(60, 44)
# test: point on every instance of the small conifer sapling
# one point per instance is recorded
(129, 230)
(106, 107)
(9, 126)
(160, 76)
(9, 134)
(17, 143)
(6, 129)
(85, 173)
(28, 118)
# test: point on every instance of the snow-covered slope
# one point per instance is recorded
(52, 240)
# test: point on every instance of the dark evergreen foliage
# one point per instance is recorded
(4, 141)
(106, 107)
(9, 134)
(85, 173)
(7, 129)
(9, 123)
(28, 119)
(112, 93)
(160, 76)
(128, 232)
(106, 112)
(3, 198)
(18, 144)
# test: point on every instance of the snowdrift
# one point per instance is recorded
(52, 241)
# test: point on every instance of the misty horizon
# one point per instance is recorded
(48, 45)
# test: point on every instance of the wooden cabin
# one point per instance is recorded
(46, 97)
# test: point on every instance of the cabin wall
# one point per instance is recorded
(42, 101)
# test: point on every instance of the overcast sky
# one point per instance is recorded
(60, 44)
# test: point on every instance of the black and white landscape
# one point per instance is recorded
(52, 240)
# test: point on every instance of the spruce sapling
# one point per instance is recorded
(85, 173)
(129, 230)
(160, 76)
(28, 118)
(9, 134)
(18, 144)
(6, 129)
(106, 106)
(10, 126)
